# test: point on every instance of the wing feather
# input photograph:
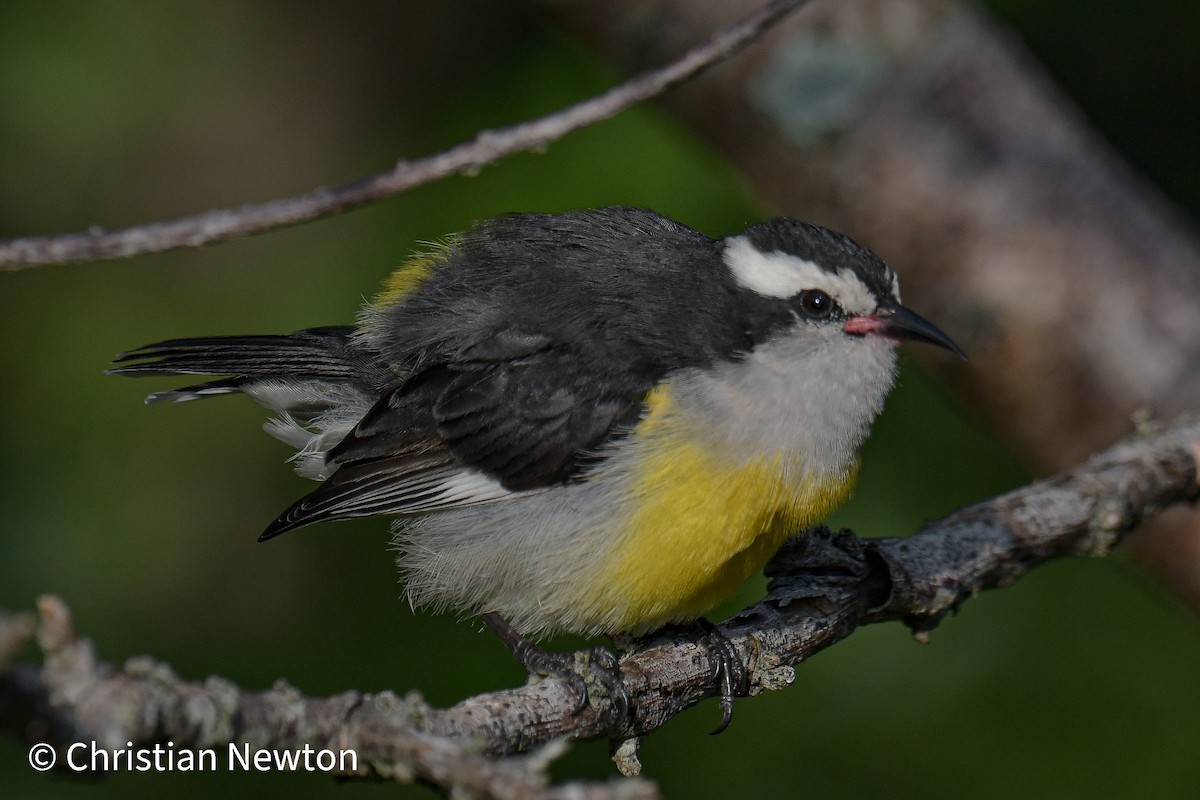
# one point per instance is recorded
(508, 414)
(388, 487)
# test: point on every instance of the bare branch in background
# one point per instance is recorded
(485, 148)
(824, 586)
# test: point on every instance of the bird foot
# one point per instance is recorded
(596, 667)
(728, 669)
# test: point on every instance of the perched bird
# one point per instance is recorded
(599, 422)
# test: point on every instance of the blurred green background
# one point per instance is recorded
(1079, 681)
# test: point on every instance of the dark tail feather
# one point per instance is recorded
(321, 353)
(196, 392)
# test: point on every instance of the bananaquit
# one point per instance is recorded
(599, 422)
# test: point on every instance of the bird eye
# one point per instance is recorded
(815, 303)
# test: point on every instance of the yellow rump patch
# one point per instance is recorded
(412, 273)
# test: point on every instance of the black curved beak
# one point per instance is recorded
(897, 322)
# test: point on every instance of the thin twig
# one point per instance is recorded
(824, 586)
(469, 157)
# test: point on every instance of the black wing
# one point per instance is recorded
(515, 412)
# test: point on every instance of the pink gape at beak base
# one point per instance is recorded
(861, 326)
(896, 323)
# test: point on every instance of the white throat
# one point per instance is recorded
(810, 396)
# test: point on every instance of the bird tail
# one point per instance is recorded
(324, 355)
(319, 381)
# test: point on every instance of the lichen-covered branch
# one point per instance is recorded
(824, 585)
(75, 697)
(485, 148)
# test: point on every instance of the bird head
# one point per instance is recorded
(828, 283)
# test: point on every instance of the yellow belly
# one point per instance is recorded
(701, 525)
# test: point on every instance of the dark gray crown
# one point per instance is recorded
(828, 249)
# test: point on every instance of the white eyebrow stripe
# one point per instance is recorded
(784, 275)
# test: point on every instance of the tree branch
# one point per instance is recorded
(485, 148)
(74, 697)
(824, 585)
